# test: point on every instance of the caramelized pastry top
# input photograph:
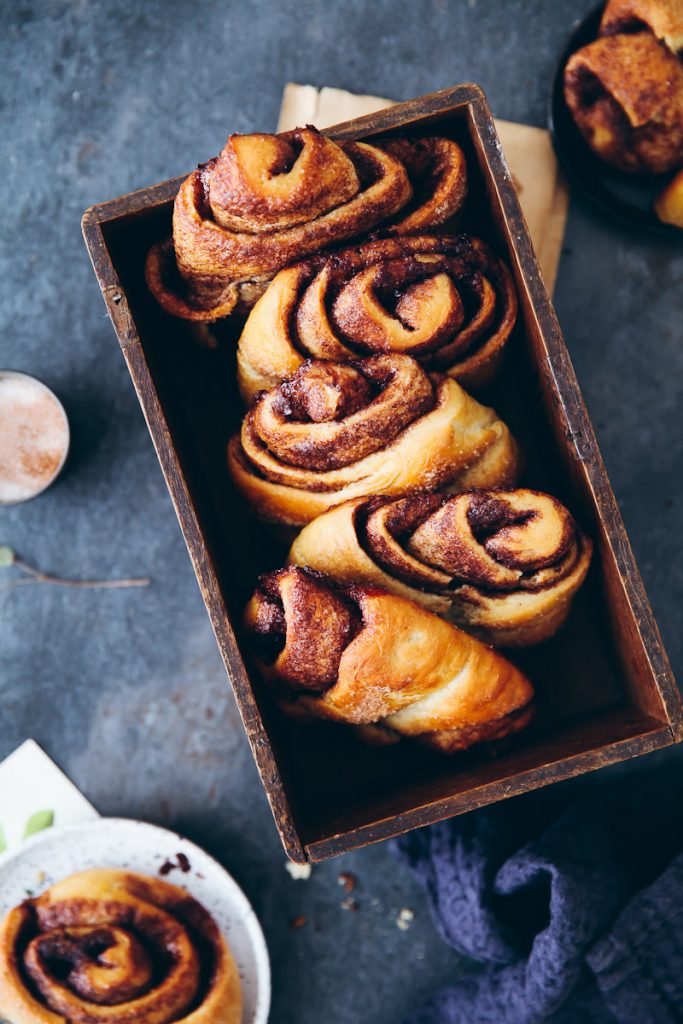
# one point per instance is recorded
(438, 175)
(329, 415)
(116, 947)
(302, 624)
(626, 95)
(269, 182)
(268, 200)
(360, 655)
(664, 18)
(381, 425)
(362, 186)
(503, 564)
(443, 299)
(496, 540)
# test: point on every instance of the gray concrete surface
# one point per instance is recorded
(125, 689)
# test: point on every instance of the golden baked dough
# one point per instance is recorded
(437, 171)
(669, 203)
(381, 426)
(444, 299)
(664, 18)
(504, 565)
(625, 93)
(269, 200)
(363, 656)
(114, 947)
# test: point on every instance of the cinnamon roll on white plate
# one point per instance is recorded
(170, 938)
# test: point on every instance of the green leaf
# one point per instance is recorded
(7, 556)
(3, 840)
(38, 821)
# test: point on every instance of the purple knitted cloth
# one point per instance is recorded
(576, 916)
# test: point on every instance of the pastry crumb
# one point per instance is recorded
(405, 918)
(299, 872)
(347, 880)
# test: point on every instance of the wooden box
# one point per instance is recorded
(605, 691)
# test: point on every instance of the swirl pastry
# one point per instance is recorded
(269, 200)
(445, 300)
(504, 565)
(380, 426)
(438, 176)
(113, 947)
(664, 18)
(625, 93)
(381, 662)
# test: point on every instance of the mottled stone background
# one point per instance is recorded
(125, 689)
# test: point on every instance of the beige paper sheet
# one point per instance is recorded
(542, 191)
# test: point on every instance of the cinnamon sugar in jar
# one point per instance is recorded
(34, 437)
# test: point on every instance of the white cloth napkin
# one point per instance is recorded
(34, 795)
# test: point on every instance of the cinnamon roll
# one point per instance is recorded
(663, 18)
(625, 93)
(437, 172)
(382, 663)
(115, 947)
(446, 300)
(269, 200)
(503, 565)
(379, 426)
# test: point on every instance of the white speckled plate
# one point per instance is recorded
(137, 846)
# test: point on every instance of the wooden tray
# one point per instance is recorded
(604, 686)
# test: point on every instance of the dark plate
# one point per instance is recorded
(626, 196)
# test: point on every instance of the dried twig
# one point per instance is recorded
(9, 557)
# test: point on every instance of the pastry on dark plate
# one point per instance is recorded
(663, 18)
(625, 89)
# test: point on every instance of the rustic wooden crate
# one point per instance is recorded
(604, 686)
